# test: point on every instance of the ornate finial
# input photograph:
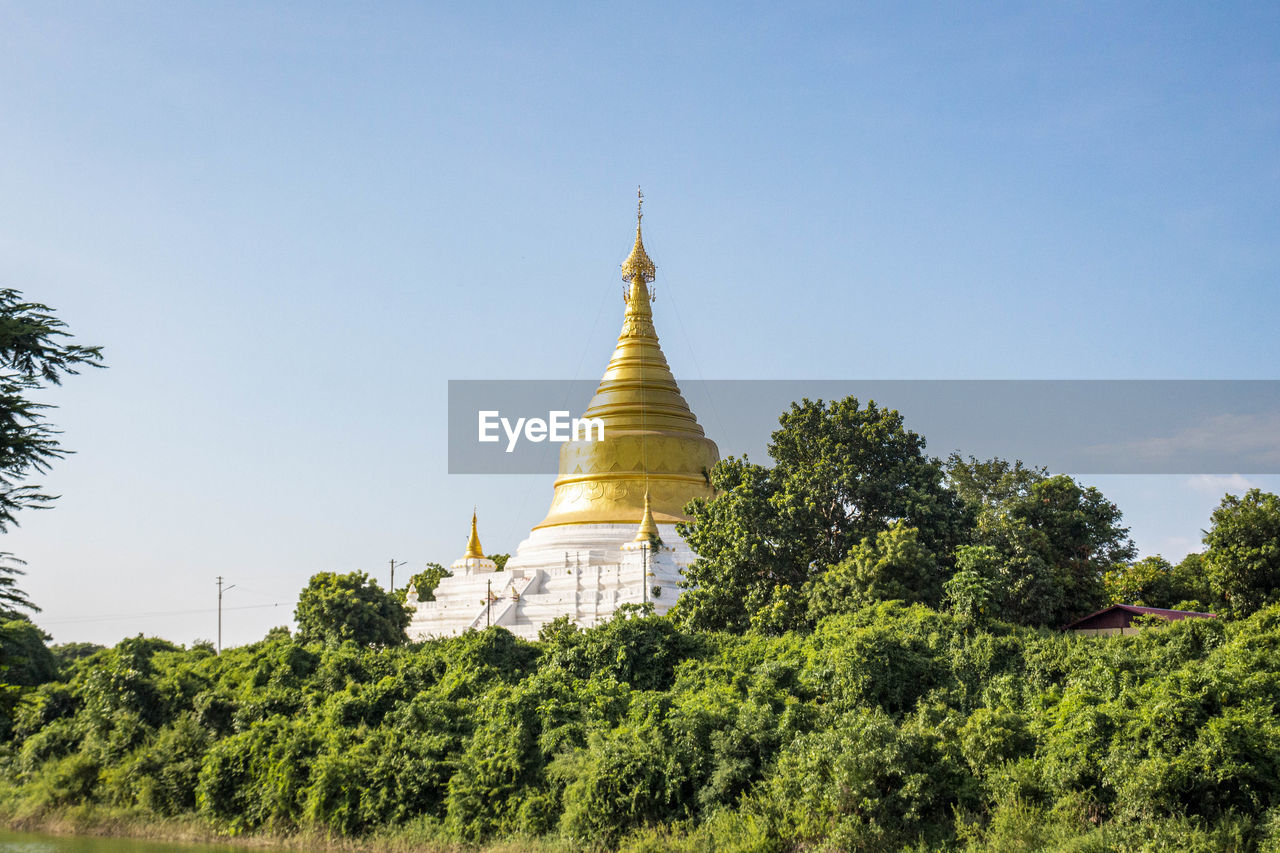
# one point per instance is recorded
(638, 265)
(473, 544)
(648, 531)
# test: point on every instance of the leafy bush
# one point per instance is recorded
(888, 727)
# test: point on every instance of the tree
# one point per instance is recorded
(66, 654)
(1154, 582)
(842, 473)
(426, 581)
(24, 658)
(990, 483)
(34, 352)
(1243, 551)
(1147, 583)
(971, 591)
(1054, 538)
(892, 566)
(335, 607)
(1189, 583)
(12, 598)
(500, 560)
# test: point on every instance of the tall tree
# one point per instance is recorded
(842, 473)
(1243, 555)
(335, 607)
(987, 484)
(1052, 539)
(35, 351)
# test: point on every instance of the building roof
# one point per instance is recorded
(1172, 615)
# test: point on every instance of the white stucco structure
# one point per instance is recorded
(582, 571)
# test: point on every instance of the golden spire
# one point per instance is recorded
(637, 265)
(473, 544)
(652, 440)
(648, 531)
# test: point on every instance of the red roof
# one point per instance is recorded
(1172, 615)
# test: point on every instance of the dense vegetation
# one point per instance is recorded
(869, 657)
(890, 727)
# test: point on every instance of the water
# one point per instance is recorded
(25, 842)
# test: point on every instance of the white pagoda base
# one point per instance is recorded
(583, 571)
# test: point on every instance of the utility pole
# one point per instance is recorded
(644, 572)
(392, 588)
(221, 590)
(488, 601)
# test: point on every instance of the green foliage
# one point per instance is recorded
(634, 648)
(973, 589)
(1147, 583)
(842, 473)
(66, 654)
(1054, 539)
(337, 607)
(628, 777)
(426, 581)
(257, 777)
(161, 775)
(1154, 582)
(887, 727)
(34, 353)
(1190, 586)
(893, 566)
(25, 660)
(882, 724)
(853, 512)
(12, 599)
(864, 783)
(1243, 551)
(991, 484)
(499, 768)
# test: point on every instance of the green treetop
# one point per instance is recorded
(842, 473)
(335, 607)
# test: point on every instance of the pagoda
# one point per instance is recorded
(609, 537)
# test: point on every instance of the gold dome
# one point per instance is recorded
(652, 441)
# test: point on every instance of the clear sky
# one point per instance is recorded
(290, 224)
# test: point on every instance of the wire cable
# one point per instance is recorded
(158, 613)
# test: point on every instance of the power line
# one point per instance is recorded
(157, 613)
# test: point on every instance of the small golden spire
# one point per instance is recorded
(648, 531)
(638, 264)
(473, 544)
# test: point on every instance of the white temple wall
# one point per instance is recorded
(579, 571)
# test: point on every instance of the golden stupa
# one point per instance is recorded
(652, 442)
(473, 543)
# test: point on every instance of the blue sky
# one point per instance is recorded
(291, 224)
